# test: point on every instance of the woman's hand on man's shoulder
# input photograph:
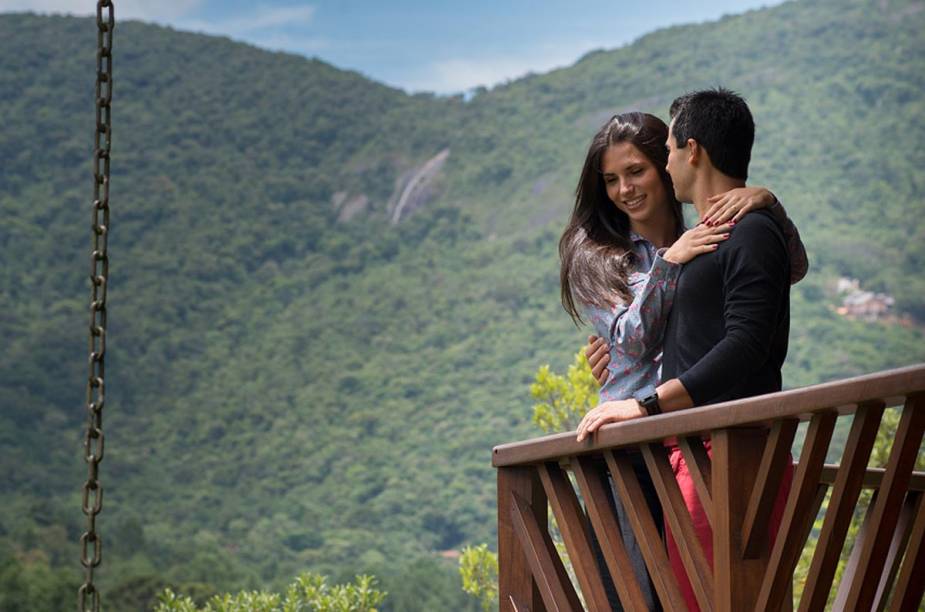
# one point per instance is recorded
(697, 241)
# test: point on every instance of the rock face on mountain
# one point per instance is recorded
(329, 297)
(416, 187)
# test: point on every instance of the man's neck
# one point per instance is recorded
(709, 185)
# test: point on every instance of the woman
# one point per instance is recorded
(621, 255)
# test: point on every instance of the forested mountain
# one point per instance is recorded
(328, 297)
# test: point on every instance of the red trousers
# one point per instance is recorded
(702, 525)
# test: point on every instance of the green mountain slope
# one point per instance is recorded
(295, 381)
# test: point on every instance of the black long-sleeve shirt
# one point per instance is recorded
(727, 333)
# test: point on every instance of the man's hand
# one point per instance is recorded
(608, 412)
(598, 354)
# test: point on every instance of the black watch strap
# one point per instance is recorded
(648, 399)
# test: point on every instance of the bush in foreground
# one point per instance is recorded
(309, 593)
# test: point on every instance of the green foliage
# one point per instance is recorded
(425, 584)
(287, 389)
(309, 593)
(563, 400)
(29, 583)
(478, 568)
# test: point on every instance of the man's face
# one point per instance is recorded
(678, 167)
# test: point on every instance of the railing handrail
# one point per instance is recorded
(890, 386)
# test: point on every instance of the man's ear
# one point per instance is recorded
(695, 152)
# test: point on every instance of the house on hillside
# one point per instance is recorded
(863, 305)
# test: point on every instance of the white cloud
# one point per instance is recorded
(293, 43)
(462, 74)
(260, 18)
(453, 75)
(263, 25)
(162, 11)
(271, 17)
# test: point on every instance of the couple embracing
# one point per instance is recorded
(682, 318)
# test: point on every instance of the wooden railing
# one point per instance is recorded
(751, 440)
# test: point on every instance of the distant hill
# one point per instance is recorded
(329, 297)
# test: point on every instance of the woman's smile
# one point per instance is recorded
(634, 203)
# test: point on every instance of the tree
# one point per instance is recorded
(478, 568)
(563, 400)
(309, 592)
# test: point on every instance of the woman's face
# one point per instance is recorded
(634, 185)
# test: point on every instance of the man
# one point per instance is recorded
(728, 331)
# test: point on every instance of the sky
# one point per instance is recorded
(420, 45)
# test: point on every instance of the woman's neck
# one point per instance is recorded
(661, 233)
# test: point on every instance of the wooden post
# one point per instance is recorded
(516, 586)
(736, 458)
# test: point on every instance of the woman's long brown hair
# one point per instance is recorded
(595, 251)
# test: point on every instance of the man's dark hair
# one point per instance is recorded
(720, 121)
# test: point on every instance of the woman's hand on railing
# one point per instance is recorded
(608, 412)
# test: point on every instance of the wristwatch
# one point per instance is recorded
(648, 399)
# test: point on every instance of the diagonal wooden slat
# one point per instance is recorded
(558, 595)
(774, 462)
(798, 512)
(698, 462)
(645, 530)
(514, 574)
(889, 502)
(845, 492)
(564, 578)
(897, 547)
(815, 505)
(590, 482)
(573, 527)
(678, 519)
(910, 585)
(517, 605)
(851, 567)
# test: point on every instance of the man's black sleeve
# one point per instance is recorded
(755, 269)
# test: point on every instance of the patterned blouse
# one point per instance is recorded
(635, 330)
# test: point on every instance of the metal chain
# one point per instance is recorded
(91, 543)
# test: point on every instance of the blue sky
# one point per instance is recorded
(420, 45)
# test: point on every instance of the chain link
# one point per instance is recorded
(91, 543)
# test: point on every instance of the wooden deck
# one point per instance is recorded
(751, 440)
